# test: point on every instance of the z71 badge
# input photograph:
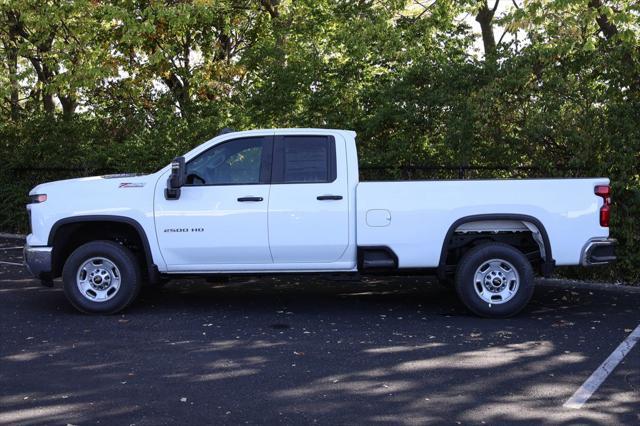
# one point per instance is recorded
(131, 185)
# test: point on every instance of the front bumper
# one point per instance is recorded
(38, 260)
(599, 251)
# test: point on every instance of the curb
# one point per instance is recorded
(13, 236)
(591, 285)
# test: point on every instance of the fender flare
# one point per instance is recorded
(549, 263)
(152, 268)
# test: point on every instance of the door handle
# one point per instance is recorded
(329, 197)
(243, 199)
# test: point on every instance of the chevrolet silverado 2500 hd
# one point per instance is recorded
(290, 200)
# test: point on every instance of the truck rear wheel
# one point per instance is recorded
(494, 280)
(101, 277)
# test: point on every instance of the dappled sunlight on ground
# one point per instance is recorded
(308, 349)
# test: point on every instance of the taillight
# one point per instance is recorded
(604, 191)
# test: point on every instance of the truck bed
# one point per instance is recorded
(412, 218)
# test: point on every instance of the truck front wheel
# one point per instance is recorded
(101, 277)
(494, 280)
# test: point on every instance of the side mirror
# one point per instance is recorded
(176, 179)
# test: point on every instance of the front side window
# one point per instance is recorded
(236, 162)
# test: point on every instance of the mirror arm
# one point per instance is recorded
(176, 179)
(172, 193)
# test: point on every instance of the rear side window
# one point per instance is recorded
(304, 159)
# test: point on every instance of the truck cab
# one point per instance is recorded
(262, 202)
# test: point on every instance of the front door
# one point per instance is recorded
(221, 216)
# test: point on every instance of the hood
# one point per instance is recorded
(106, 182)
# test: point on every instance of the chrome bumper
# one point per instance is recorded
(38, 260)
(598, 251)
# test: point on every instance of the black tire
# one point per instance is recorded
(465, 281)
(129, 274)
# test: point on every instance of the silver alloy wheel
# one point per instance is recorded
(496, 281)
(98, 279)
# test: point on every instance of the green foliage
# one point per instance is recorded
(89, 87)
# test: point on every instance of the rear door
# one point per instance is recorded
(308, 203)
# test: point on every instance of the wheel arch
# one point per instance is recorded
(548, 262)
(134, 225)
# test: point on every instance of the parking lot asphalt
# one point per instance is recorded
(311, 350)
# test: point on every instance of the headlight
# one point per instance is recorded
(37, 198)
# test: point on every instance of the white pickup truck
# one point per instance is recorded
(290, 201)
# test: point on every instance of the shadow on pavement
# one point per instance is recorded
(309, 350)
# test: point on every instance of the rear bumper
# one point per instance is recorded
(38, 261)
(598, 251)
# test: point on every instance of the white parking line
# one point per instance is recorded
(11, 248)
(11, 263)
(582, 395)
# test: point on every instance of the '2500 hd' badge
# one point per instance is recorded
(184, 230)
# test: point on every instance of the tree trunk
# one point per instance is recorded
(607, 28)
(179, 91)
(44, 77)
(271, 6)
(43, 46)
(69, 105)
(11, 47)
(12, 66)
(485, 19)
(47, 102)
(610, 30)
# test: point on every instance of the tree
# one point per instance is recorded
(58, 41)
